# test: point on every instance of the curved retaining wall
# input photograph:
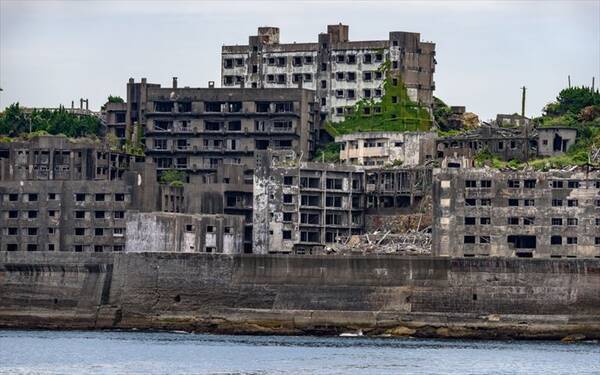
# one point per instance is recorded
(418, 296)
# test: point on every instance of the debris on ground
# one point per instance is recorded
(412, 242)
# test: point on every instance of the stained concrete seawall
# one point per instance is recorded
(419, 296)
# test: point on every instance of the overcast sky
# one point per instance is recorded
(55, 52)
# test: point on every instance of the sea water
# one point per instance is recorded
(101, 352)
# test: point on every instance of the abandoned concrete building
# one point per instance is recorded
(383, 148)
(485, 212)
(185, 233)
(114, 118)
(520, 144)
(198, 130)
(512, 121)
(339, 70)
(230, 195)
(58, 194)
(299, 207)
(506, 143)
(553, 141)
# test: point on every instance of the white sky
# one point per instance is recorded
(55, 52)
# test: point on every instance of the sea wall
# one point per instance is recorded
(418, 296)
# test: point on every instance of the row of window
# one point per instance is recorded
(530, 184)
(76, 248)
(555, 221)
(79, 197)
(55, 214)
(280, 61)
(29, 197)
(554, 240)
(225, 107)
(230, 126)
(34, 231)
(514, 202)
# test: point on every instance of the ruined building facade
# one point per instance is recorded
(199, 130)
(300, 207)
(383, 148)
(483, 212)
(115, 119)
(521, 143)
(340, 71)
(58, 194)
(184, 233)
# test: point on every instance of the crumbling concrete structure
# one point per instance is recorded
(554, 141)
(170, 232)
(508, 143)
(198, 130)
(231, 194)
(115, 120)
(512, 121)
(384, 148)
(505, 143)
(299, 207)
(58, 194)
(339, 70)
(484, 212)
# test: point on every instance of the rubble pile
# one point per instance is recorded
(412, 242)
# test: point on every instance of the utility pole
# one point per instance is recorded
(569, 76)
(526, 125)
(593, 81)
(523, 101)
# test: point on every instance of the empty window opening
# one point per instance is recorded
(469, 221)
(469, 239)
(522, 241)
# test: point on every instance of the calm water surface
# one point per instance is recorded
(56, 352)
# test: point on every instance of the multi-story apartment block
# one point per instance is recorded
(115, 120)
(299, 207)
(230, 194)
(483, 212)
(198, 130)
(339, 70)
(381, 148)
(58, 194)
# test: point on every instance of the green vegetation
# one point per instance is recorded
(451, 132)
(441, 112)
(173, 177)
(14, 122)
(572, 101)
(328, 153)
(115, 99)
(394, 112)
(576, 107)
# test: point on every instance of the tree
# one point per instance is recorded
(14, 122)
(173, 177)
(115, 99)
(572, 100)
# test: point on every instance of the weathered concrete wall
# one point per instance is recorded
(420, 296)
(184, 233)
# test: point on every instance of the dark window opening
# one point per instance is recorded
(522, 241)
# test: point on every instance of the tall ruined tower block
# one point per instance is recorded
(340, 71)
